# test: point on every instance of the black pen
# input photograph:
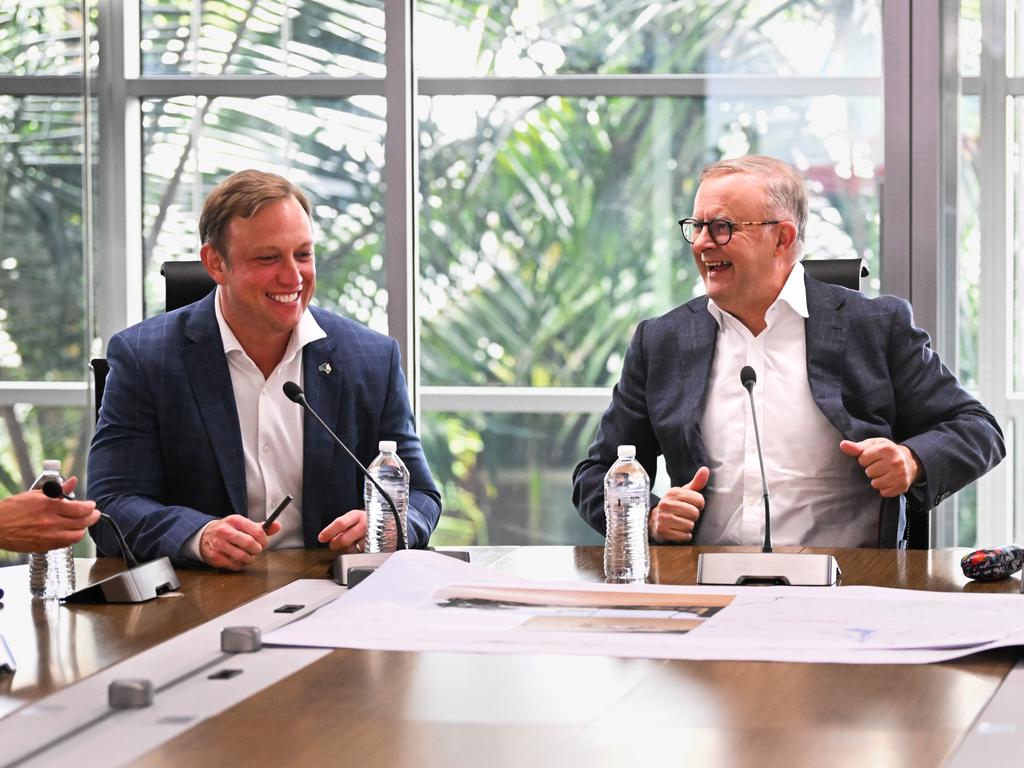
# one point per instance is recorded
(280, 508)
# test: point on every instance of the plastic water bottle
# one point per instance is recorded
(627, 556)
(51, 575)
(389, 470)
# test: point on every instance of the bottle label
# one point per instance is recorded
(625, 502)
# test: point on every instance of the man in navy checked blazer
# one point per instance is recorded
(196, 442)
(859, 418)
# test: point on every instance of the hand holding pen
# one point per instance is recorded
(274, 515)
(234, 542)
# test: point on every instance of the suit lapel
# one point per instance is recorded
(697, 340)
(826, 352)
(826, 362)
(207, 368)
(324, 384)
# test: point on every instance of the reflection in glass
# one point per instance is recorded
(1016, 234)
(333, 150)
(41, 275)
(42, 37)
(970, 38)
(532, 38)
(967, 516)
(1015, 38)
(506, 478)
(968, 241)
(548, 226)
(336, 38)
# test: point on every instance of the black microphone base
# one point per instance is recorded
(767, 568)
(136, 585)
(349, 570)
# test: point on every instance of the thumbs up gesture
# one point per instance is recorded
(677, 512)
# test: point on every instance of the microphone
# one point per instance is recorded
(765, 567)
(294, 393)
(52, 489)
(747, 379)
(137, 584)
(349, 570)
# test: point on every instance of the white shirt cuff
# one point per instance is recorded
(190, 548)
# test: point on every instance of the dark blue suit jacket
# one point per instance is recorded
(871, 372)
(167, 454)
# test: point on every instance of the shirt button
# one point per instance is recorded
(266, 449)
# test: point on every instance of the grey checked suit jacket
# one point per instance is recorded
(167, 454)
(871, 372)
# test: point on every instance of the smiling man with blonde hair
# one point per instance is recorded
(197, 443)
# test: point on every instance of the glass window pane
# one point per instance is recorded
(969, 241)
(970, 38)
(967, 517)
(333, 150)
(337, 38)
(506, 478)
(1016, 233)
(1015, 38)
(31, 434)
(41, 276)
(41, 38)
(548, 226)
(545, 37)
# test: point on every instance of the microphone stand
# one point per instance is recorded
(400, 542)
(747, 378)
(765, 568)
(137, 584)
(349, 570)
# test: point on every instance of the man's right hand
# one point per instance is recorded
(233, 542)
(677, 512)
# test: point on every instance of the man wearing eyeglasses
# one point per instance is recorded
(858, 416)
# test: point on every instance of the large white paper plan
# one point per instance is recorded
(423, 601)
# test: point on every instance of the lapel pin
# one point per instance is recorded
(325, 368)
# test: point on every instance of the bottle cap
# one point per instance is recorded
(387, 446)
(627, 451)
(51, 465)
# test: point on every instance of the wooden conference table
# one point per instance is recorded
(375, 708)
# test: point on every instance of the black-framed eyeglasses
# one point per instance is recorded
(719, 229)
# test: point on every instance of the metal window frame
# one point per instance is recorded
(1000, 512)
(120, 88)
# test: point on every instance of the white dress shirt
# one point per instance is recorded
(271, 427)
(819, 496)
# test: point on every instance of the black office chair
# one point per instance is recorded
(185, 282)
(845, 272)
(99, 368)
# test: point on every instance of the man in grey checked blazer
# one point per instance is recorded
(168, 460)
(898, 429)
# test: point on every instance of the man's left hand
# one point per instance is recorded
(347, 533)
(891, 467)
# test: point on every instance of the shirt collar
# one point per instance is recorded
(793, 293)
(308, 330)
